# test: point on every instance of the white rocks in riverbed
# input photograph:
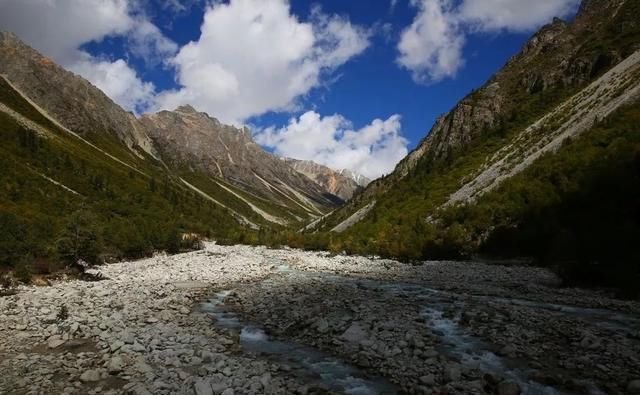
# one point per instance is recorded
(91, 375)
(55, 342)
(322, 325)
(141, 325)
(116, 345)
(355, 333)
(116, 365)
(428, 380)
(203, 387)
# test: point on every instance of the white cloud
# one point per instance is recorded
(117, 80)
(147, 42)
(179, 6)
(373, 150)
(431, 48)
(513, 15)
(392, 6)
(254, 56)
(58, 28)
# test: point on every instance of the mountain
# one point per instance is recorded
(514, 169)
(193, 142)
(84, 179)
(69, 99)
(358, 178)
(343, 184)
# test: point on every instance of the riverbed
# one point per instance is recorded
(251, 320)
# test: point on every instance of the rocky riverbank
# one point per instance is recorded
(433, 328)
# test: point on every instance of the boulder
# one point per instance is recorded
(509, 388)
(355, 333)
(428, 380)
(116, 365)
(55, 342)
(634, 387)
(322, 325)
(202, 387)
(452, 373)
(89, 376)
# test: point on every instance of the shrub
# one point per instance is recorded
(80, 241)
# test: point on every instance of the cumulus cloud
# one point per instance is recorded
(59, 29)
(373, 150)
(392, 6)
(513, 15)
(431, 48)
(117, 80)
(269, 62)
(147, 42)
(178, 6)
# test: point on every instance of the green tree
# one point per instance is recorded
(80, 241)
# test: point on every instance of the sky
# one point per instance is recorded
(352, 84)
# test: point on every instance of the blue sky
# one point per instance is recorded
(348, 83)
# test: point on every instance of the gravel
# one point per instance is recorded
(140, 331)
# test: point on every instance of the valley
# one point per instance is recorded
(218, 216)
(251, 320)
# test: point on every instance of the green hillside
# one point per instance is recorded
(59, 194)
(574, 208)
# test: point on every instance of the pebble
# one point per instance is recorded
(202, 387)
(90, 376)
(144, 325)
(116, 365)
(508, 388)
(634, 387)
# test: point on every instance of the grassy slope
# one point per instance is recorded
(576, 210)
(435, 178)
(503, 222)
(132, 214)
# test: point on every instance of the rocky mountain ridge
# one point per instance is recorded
(557, 62)
(360, 179)
(68, 98)
(343, 183)
(188, 139)
(220, 162)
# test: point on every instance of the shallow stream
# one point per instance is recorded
(330, 372)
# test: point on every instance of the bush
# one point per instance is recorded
(80, 241)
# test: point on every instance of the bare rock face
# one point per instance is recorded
(358, 178)
(67, 97)
(188, 139)
(343, 184)
(559, 55)
(557, 62)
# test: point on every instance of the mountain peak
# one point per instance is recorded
(79, 106)
(186, 108)
(4, 34)
(339, 183)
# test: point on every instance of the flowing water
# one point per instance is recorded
(335, 374)
(314, 366)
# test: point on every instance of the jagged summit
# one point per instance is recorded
(339, 183)
(217, 161)
(187, 109)
(557, 62)
(186, 137)
(69, 98)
